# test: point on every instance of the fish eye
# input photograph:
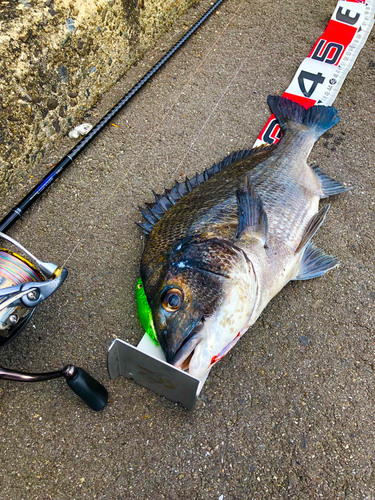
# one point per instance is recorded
(172, 300)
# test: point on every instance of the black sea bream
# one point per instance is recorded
(223, 243)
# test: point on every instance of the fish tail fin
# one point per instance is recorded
(288, 113)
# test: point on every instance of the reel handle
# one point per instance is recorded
(93, 393)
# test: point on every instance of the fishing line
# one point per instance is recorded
(14, 270)
(156, 129)
(225, 91)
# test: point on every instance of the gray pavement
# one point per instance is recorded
(289, 413)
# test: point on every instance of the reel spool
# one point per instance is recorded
(14, 271)
(24, 285)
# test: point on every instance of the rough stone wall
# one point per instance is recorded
(57, 57)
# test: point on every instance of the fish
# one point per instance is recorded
(222, 244)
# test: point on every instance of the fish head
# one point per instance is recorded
(201, 299)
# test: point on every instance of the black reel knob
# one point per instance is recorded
(93, 393)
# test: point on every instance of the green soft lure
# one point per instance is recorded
(144, 312)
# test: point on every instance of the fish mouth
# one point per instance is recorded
(185, 352)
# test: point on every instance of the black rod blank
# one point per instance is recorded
(36, 192)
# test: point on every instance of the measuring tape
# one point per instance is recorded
(321, 75)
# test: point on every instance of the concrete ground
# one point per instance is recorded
(290, 411)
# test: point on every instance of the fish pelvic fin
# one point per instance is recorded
(315, 263)
(252, 216)
(288, 113)
(312, 227)
(329, 186)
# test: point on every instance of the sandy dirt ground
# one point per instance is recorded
(289, 413)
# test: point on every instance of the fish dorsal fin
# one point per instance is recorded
(329, 186)
(315, 263)
(252, 216)
(315, 222)
(155, 211)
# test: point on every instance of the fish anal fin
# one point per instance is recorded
(315, 263)
(252, 216)
(315, 222)
(329, 186)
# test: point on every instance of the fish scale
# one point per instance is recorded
(286, 225)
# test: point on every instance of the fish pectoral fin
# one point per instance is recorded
(329, 186)
(312, 227)
(315, 263)
(252, 216)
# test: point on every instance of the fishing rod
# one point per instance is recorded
(17, 212)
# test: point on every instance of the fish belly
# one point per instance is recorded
(290, 197)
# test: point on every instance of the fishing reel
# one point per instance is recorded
(23, 286)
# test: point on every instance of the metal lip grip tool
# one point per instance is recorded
(146, 364)
(23, 286)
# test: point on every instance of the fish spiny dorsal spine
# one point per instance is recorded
(163, 202)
